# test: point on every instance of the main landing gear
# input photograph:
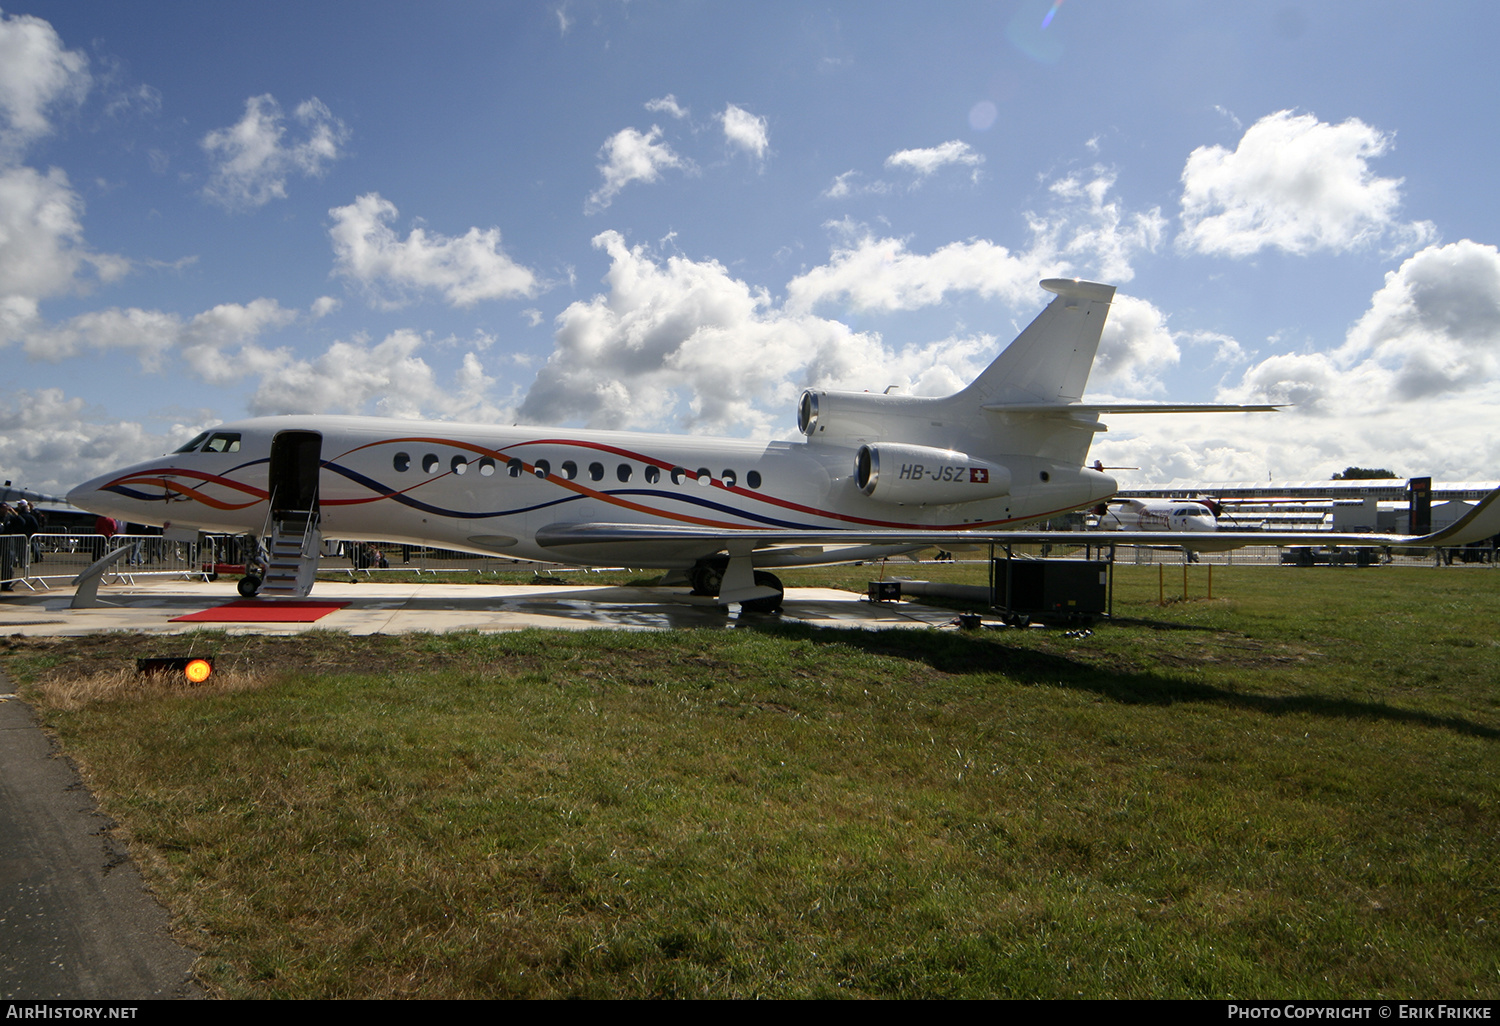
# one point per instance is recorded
(708, 579)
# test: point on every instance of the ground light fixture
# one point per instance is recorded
(196, 669)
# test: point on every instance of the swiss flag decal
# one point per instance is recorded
(979, 475)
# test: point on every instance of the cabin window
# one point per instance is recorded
(430, 463)
(543, 468)
(514, 468)
(704, 477)
(729, 478)
(569, 469)
(402, 462)
(225, 442)
(753, 479)
(623, 472)
(459, 464)
(653, 475)
(486, 467)
(679, 474)
(197, 441)
(1046, 476)
(596, 472)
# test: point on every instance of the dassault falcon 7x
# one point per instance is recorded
(875, 474)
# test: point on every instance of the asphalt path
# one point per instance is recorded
(76, 919)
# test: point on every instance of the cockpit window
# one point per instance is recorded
(224, 441)
(193, 444)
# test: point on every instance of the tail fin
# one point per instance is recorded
(1050, 361)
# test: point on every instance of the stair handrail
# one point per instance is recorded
(265, 526)
(314, 517)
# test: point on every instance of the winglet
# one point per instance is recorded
(1481, 522)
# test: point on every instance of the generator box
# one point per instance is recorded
(1057, 588)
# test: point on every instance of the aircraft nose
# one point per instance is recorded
(89, 496)
(79, 495)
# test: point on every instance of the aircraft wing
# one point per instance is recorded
(1481, 522)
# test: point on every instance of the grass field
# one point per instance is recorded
(1289, 790)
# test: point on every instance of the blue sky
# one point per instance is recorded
(675, 216)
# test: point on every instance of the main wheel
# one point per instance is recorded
(769, 604)
(705, 580)
(249, 585)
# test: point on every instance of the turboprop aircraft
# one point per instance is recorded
(875, 474)
(1158, 515)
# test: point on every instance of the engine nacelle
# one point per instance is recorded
(841, 418)
(919, 475)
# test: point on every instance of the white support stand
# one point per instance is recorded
(87, 595)
(738, 584)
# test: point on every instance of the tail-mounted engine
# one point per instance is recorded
(919, 475)
(845, 418)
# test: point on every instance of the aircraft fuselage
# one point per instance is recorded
(489, 489)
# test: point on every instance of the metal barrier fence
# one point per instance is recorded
(372, 558)
(32, 562)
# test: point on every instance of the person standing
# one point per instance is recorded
(9, 526)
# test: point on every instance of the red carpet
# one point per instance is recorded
(256, 611)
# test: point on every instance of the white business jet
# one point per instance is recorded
(876, 474)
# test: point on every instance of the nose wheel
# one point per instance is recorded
(249, 585)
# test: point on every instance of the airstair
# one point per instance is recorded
(293, 556)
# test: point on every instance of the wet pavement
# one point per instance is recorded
(149, 605)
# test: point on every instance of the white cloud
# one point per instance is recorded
(1084, 234)
(880, 274)
(1107, 237)
(631, 156)
(667, 105)
(1432, 332)
(1414, 386)
(464, 270)
(323, 306)
(845, 185)
(923, 162)
(745, 130)
(252, 161)
(1135, 348)
(388, 379)
(204, 342)
(1435, 325)
(678, 342)
(49, 442)
(840, 187)
(1296, 184)
(42, 250)
(36, 76)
